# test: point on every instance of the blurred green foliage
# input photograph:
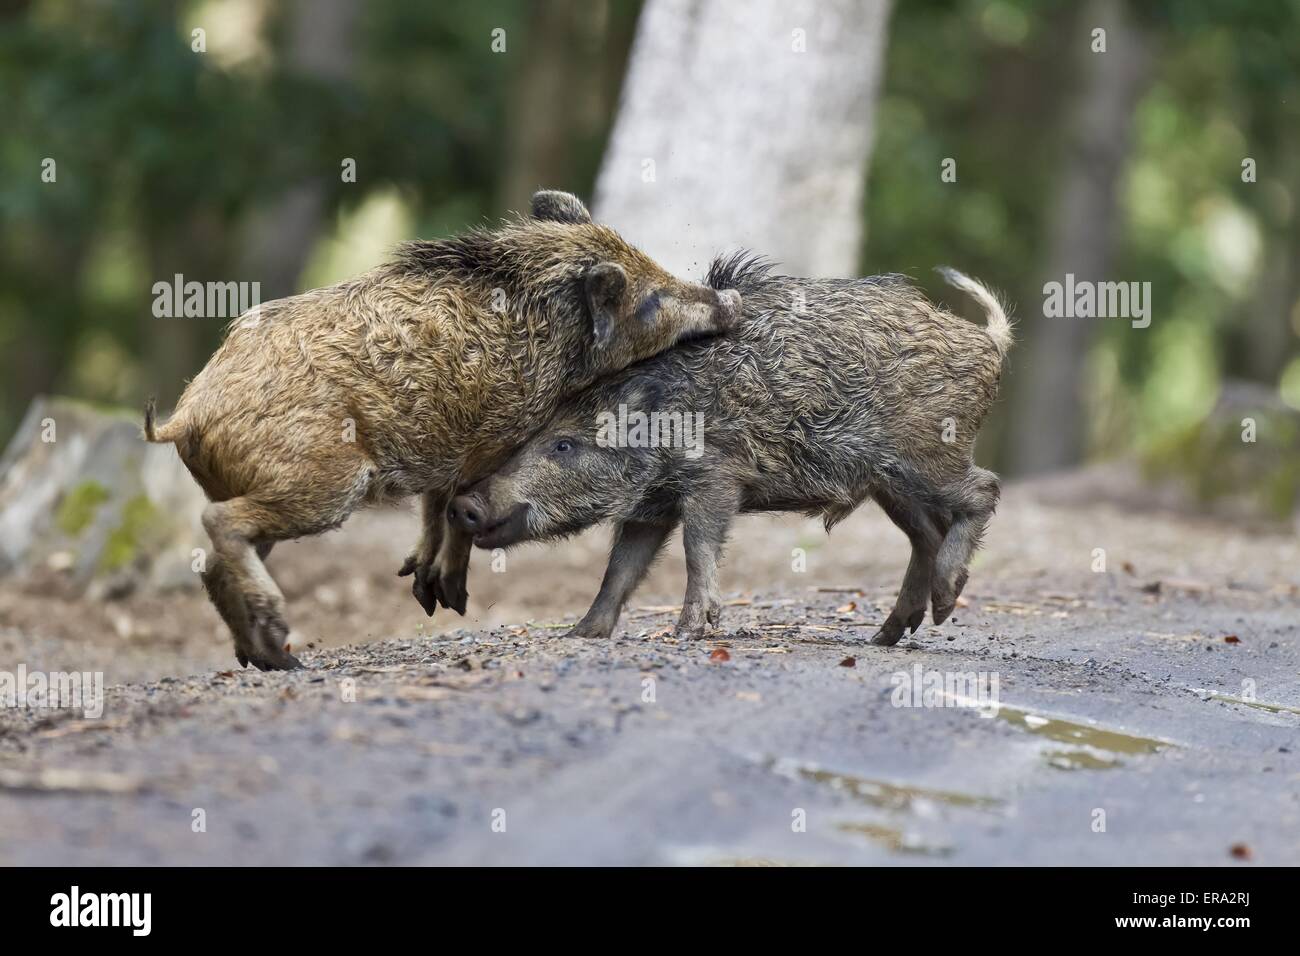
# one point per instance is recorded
(166, 157)
(163, 154)
(993, 82)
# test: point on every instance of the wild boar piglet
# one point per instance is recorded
(418, 377)
(825, 394)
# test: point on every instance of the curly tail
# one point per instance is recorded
(999, 326)
(174, 430)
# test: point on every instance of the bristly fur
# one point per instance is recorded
(413, 378)
(465, 254)
(827, 393)
(738, 269)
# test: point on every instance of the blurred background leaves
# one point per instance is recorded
(225, 165)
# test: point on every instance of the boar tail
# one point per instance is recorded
(174, 430)
(999, 326)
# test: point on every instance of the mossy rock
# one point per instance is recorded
(79, 507)
(83, 495)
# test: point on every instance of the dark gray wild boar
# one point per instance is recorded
(417, 377)
(826, 393)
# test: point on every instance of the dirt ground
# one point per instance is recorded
(1147, 713)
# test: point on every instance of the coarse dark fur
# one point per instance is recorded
(418, 377)
(825, 394)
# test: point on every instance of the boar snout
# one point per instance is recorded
(729, 306)
(714, 310)
(471, 513)
(467, 512)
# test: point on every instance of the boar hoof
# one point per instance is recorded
(284, 661)
(944, 596)
(589, 631)
(270, 651)
(915, 620)
(890, 633)
(450, 591)
(424, 587)
(697, 620)
(961, 583)
(694, 630)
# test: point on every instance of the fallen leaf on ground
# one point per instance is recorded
(847, 608)
(1011, 607)
(1232, 639)
(720, 654)
(56, 779)
(1186, 584)
(1240, 851)
(849, 662)
(80, 726)
(420, 692)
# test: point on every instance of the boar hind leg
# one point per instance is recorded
(243, 531)
(705, 520)
(433, 515)
(972, 504)
(229, 602)
(238, 579)
(919, 525)
(635, 545)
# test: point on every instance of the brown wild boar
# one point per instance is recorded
(415, 378)
(825, 394)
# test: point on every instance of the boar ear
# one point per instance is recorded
(552, 205)
(606, 285)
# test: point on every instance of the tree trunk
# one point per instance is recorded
(1049, 412)
(1265, 335)
(540, 136)
(280, 236)
(747, 125)
(196, 247)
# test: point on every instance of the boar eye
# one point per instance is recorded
(563, 446)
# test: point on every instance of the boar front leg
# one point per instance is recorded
(451, 569)
(433, 517)
(636, 543)
(706, 517)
